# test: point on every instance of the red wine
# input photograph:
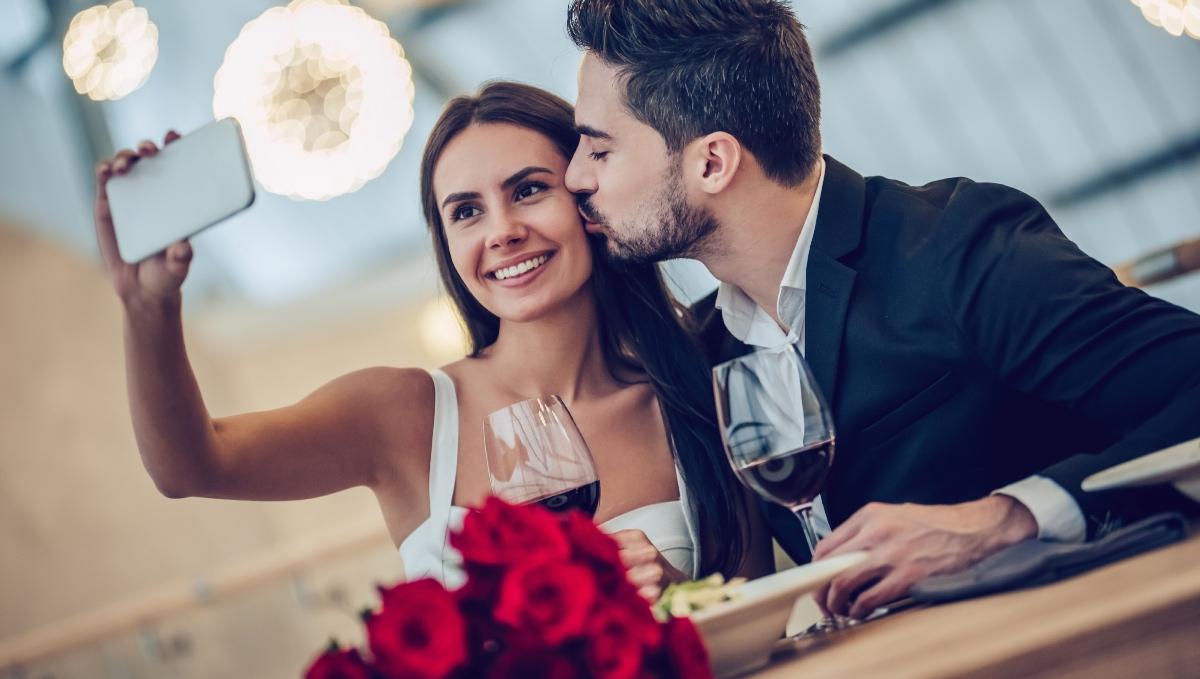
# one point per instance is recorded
(793, 478)
(585, 498)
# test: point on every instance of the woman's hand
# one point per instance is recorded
(647, 569)
(157, 277)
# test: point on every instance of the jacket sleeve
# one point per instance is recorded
(1054, 323)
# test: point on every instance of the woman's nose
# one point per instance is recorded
(507, 231)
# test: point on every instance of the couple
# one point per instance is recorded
(977, 364)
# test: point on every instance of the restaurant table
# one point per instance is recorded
(1135, 618)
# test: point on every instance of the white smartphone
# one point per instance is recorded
(194, 182)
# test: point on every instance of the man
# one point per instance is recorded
(978, 365)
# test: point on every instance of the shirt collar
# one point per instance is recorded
(751, 324)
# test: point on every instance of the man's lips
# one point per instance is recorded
(589, 224)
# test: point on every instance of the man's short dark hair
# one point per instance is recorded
(693, 67)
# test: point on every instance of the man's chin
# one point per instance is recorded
(625, 254)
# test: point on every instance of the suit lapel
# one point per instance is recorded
(830, 282)
(825, 318)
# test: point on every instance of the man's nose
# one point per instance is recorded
(579, 177)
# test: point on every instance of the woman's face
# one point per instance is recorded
(514, 231)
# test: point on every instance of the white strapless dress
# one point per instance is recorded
(427, 552)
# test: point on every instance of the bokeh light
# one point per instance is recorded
(1176, 17)
(109, 50)
(442, 333)
(323, 94)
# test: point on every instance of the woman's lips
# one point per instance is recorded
(525, 278)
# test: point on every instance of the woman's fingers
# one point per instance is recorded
(171, 136)
(642, 561)
(647, 578)
(106, 237)
(124, 160)
(635, 547)
(179, 258)
(147, 148)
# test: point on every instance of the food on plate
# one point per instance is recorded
(684, 598)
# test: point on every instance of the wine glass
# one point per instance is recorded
(535, 454)
(777, 430)
(778, 434)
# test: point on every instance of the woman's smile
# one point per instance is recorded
(521, 272)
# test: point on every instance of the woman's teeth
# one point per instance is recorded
(518, 269)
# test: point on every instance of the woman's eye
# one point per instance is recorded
(598, 155)
(529, 189)
(464, 212)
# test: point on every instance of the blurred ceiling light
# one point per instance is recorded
(323, 94)
(1173, 16)
(109, 50)
(442, 334)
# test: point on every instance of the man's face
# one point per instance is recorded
(630, 186)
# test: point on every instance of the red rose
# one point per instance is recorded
(534, 663)
(501, 534)
(548, 602)
(338, 663)
(593, 548)
(618, 637)
(685, 651)
(419, 632)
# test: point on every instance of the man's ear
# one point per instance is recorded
(711, 161)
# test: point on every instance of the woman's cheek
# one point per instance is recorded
(464, 256)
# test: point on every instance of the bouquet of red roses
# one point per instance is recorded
(545, 596)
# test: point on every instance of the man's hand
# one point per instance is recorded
(909, 542)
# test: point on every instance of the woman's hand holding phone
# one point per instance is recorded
(157, 277)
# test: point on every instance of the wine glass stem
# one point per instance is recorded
(804, 513)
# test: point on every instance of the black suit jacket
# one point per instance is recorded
(963, 343)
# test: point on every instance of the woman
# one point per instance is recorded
(546, 314)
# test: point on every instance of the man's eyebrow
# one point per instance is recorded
(589, 131)
(506, 184)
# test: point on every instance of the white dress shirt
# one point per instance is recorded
(1057, 514)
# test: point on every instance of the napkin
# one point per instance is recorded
(1034, 562)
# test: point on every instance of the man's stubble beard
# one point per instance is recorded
(675, 229)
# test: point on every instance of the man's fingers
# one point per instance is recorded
(845, 586)
(892, 588)
(843, 533)
(819, 597)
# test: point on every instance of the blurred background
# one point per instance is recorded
(1091, 106)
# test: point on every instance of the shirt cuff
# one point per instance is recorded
(1057, 514)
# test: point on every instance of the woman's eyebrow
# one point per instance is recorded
(459, 197)
(506, 184)
(523, 173)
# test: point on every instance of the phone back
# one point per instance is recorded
(193, 183)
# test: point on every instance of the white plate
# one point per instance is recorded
(1178, 464)
(740, 633)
